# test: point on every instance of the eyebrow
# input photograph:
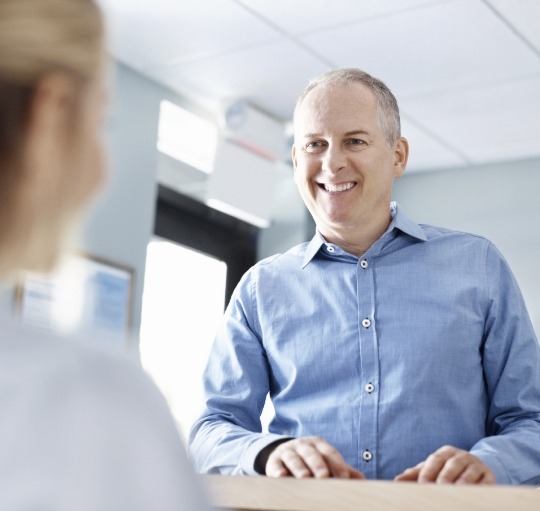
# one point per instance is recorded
(348, 134)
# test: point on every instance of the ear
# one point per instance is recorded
(293, 156)
(49, 119)
(401, 156)
(53, 102)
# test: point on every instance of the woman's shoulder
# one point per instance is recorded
(80, 412)
(39, 353)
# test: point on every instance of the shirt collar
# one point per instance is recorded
(399, 221)
(405, 224)
(313, 247)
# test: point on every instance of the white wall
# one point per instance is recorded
(498, 201)
(289, 218)
(121, 222)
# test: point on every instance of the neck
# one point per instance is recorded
(357, 239)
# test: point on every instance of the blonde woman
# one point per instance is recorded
(79, 430)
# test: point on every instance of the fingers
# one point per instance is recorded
(471, 475)
(295, 464)
(314, 460)
(449, 465)
(276, 468)
(309, 457)
(434, 464)
(356, 474)
(457, 465)
(337, 465)
(488, 478)
(410, 474)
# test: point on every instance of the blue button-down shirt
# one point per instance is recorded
(422, 341)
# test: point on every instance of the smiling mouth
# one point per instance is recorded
(337, 188)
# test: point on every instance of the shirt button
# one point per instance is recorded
(364, 264)
(330, 249)
(366, 323)
(369, 388)
(367, 456)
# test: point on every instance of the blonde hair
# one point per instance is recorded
(37, 38)
(40, 36)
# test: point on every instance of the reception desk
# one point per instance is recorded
(266, 494)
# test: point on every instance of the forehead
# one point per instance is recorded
(337, 107)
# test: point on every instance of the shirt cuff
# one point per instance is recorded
(247, 464)
(498, 469)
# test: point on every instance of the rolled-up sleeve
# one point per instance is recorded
(227, 438)
(511, 360)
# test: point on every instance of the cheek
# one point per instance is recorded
(306, 171)
(89, 169)
(302, 181)
(95, 167)
(100, 162)
(93, 155)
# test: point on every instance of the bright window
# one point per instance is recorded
(183, 300)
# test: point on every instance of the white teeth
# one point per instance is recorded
(338, 188)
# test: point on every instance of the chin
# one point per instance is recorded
(45, 262)
(43, 252)
(342, 221)
(20, 262)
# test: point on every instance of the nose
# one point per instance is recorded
(334, 159)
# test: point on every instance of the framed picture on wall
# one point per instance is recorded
(85, 294)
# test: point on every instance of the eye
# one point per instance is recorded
(315, 146)
(355, 142)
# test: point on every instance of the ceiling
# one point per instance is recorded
(466, 72)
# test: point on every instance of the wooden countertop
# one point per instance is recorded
(266, 494)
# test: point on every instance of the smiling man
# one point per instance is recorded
(390, 350)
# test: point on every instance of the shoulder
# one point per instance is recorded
(56, 368)
(434, 232)
(277, 263)
(455, 240)
(82, 417)
(267, 274)
(466, 253)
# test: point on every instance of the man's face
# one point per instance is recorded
(344, 165)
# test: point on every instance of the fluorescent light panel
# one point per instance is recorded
(186, 137)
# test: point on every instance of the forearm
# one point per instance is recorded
(221, 447)
(514, 453)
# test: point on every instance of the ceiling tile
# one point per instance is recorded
(269, 76)
(303, 16)
(498, 122)
(151, 34)
(449, 45)
(425, 152)
(523, 15)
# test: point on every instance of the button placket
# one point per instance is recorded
(368, 344)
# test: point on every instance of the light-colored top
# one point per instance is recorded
(85, 430)
(421, 342)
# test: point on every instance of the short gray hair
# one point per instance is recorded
(387, 105)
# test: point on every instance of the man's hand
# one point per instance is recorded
(451, 466)
(309, 457)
